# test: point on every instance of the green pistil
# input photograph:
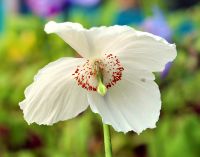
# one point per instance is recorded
(101, 89)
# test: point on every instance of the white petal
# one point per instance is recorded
(74, 34)
(140, 50)
(106, 39)
(132, 104)
(145, 51)
(52, 96)
(89, 42)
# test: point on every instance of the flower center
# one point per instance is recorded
(106, 71)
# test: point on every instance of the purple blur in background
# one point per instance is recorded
(47, 8)
(158, 25)
(166, 70)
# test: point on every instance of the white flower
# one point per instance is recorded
(118, 62)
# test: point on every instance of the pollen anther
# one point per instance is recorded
(109, 67)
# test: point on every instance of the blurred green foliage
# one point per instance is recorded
(25, 48)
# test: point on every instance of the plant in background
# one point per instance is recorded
(114, 78)
(2, 16)
(85, 3)
(130, 13)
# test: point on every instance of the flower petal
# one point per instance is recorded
(150, 51)
(146, 51)
(89, 42)
(52, 96)
(142, 50)
(107, 39)
(74, 34)
(132, 104)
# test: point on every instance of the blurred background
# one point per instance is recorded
(25, 48)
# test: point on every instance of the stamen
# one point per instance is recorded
(99, 74)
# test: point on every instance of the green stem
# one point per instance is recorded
(107, 140)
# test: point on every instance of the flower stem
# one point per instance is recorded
(107, 140)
